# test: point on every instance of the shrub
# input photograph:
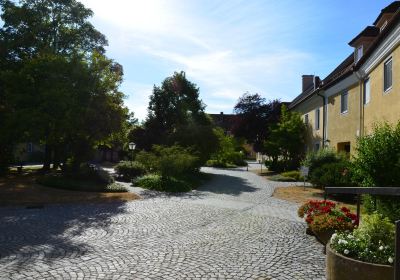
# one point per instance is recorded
(276, 165)
(129, 170)
(377, 164)
(328, 168)
(75, 184)
(335, 174)
(156, 182)
(173, 161)
(372, 242)
(227, 154)
(295, 174)
(322, 215)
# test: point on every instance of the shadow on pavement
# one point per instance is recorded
(225, 184)
(52, 232)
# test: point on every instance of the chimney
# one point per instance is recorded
(308, 82)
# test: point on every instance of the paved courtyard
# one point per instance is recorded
(231, 228)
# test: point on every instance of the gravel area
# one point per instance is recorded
(230, 228)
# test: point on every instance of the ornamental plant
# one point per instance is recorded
(372, 242)
(324, 215)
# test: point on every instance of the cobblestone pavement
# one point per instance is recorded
(230, 228)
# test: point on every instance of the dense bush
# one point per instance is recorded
(328, 168)
(74, 184)
(334, 174)
(173, 161)
(128, 170)
(156, 182)
(228, 153)
(372, 242)
(377, 164)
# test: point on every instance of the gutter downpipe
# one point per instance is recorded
(360, 79)
(323, 117)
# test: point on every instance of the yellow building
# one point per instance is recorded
(363, 90)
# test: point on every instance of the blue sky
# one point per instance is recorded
(228, 47)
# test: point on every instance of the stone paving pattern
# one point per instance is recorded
(231, 228)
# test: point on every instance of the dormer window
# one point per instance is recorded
(359, 53)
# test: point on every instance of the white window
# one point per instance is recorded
(367, 92)
(317, 119)
(344, 106)
(359, 53)
(387, 75)
(306, 119)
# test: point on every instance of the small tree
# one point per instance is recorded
(377, 164)
(285, 145)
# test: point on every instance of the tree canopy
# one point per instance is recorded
(255, 116)
(59, 88)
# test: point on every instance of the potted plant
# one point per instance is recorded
(367, 253)
(323, 218)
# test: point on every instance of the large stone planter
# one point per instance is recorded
(339, 267)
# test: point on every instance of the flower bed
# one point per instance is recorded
(324, 218)
(373, 242)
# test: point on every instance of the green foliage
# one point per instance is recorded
(328, 168)
(281, 178)
(377, 164)
(58, 88)
(255, 117)
(156, 182)
(78, 184)
(228, 154)
(173, 161)
(372, 242)
(286, 142)
(129, 170)
(294, 174)
(176, 117)
(334, 174)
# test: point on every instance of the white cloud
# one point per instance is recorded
(219, 48)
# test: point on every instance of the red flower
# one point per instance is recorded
(345, 209)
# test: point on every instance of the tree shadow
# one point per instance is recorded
(226, 184)
(52, 232)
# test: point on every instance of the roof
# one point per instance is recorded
(339, 73)
(390, 9)
(391, 25)
(369, 31)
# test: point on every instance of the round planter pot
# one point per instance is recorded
(339, 267)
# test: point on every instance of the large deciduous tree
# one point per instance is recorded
(176, 116)
(60, 88)
(255, 116)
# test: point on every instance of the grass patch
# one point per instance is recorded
(301, 195)
(281, 178)
(59, 181)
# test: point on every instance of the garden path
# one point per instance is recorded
(230, 228)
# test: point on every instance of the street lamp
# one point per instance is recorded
(132, 147)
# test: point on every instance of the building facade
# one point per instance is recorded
(362, 91)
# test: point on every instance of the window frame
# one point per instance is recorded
(317, 119)
(306, 119)
(365, 99)
(344, 93)
(385, 87)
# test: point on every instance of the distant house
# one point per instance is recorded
(224, 121)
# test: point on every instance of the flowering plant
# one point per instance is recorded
(372, 242)
(323, 215)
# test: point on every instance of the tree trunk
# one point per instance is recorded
(47, 158)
